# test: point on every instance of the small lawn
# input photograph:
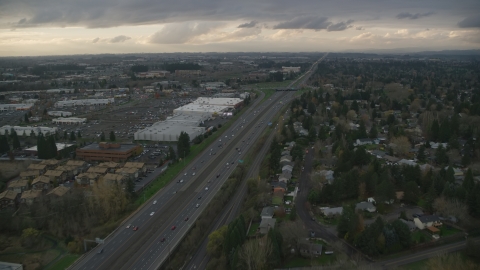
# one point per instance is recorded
(276, 200)
(419, 237)
(253, 229)
(447, 230)
(289, 198)
(64, 262)
(328, 221)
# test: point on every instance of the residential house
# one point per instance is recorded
(290, 145)
(41, 183)
(309, 250)
(29, 175)
(411, 226)
(110, 165)
(413, 213)
(58, 192)
(365, 206)
(285, 153)
(40, 168)
(365, 141)
(279, 187)
(87, 178)
(334, 211)
(266, 224)
(50, 164)
(130, 173)
(59, 176)
(8, 198)
(267, 212)
(70, 171)
(81, 165)
(391, 159)
(328, 175)
(98, 169)
(407, 162)
(378, 153)
(285, 159)
(112, 178)
(18, 185)
(140, 166)
(288, 168)
(30, 196)
(285, 176)
(426, 221)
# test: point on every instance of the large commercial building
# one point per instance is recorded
(15, 107)
(60, 113)
(28, 130)
(188, 119)
(108, 152)
(84, 102)
(69, 120)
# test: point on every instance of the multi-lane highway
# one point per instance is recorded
(163, 221)
(145, 240)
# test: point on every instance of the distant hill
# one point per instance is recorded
(416, 51)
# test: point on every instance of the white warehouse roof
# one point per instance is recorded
(83, 102)
(230, 102)
(196, 108)
(167, 131)
(59, 113)
(28, 130)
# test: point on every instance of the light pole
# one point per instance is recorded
(183, 158)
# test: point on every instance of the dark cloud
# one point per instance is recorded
(408, 15)
(340, 26)
(314, 23)
(470, 22)
(95, 40)
(119, 39)
(181, 33)
(248, 25)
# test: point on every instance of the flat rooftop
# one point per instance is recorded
(60, 146)
(122, 148)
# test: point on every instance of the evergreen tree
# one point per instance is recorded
(15, 140)
(65, 135)
(26, 118)
(450, 175)
(79, 135)
(41, 147)
(421, 156)
(361, 132)
(412, 192)
(4, 146)
(441, 155)
(183, 144)
(102, 137)
(373, 132)
(51, 147)
(171, 154)
(112, 136)
(468, 182)
(72, 136)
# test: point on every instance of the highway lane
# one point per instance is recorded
(116, 245)
(200, 259)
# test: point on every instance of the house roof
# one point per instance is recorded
(268, 222)
(8, 195)
(76, 163)
(314, 248)
(41, 179)
(410, 224)
(109, 164)
(137, 165)
(59, 191)
(36, 167)
(49, 162)
(29, 173)
(364, 205)
(287, 167)
(30, 194)
(433, 229)
(53, 173)
(127, 170)
(428, 218)
(18, 183)
(279, 185)
(66, 168)
(97, 169)
(267, 211)
(333, 211)
(89, 175)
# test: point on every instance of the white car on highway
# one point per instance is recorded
(151, 214)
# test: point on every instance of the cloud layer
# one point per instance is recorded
(408, 15)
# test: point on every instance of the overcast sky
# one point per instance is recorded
(52, 27)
